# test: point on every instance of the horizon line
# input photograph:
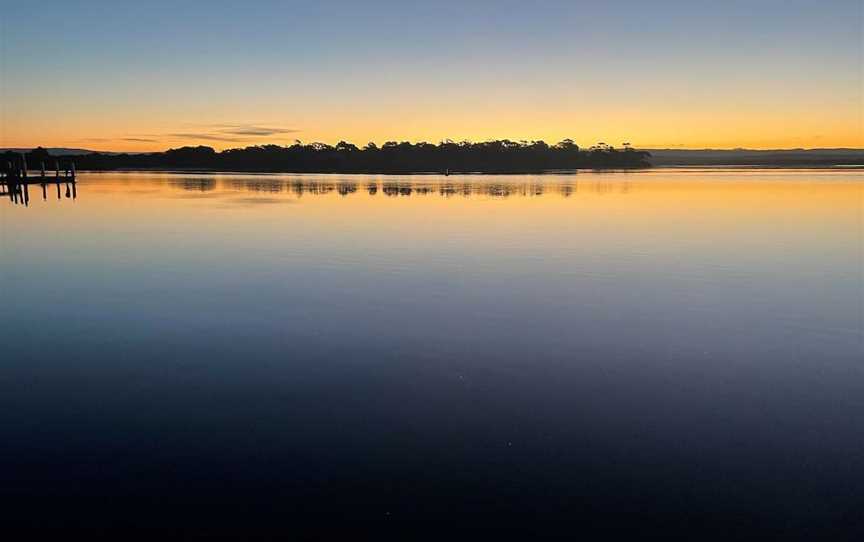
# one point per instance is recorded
(642, 148)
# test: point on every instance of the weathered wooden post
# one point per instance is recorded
(23, 166)
(42, 168)
(56, 169)
(73, 171)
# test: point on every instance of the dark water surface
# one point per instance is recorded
(667, 348)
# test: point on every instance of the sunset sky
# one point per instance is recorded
(153, 75)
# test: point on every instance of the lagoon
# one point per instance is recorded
(675, 345)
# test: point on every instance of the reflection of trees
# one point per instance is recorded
(406, 188)
(317, 188)
(198, 185)
(447, 190)
(501, 190)
(346, 187)
(258, 186)
(397, 188)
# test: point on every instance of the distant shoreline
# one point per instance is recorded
(682, 167)
(501, 157)
(805, 158)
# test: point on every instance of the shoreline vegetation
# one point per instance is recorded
(502, 156)
(767, 158)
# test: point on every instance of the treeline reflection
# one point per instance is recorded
(397, 189)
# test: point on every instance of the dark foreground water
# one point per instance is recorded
(235, 353)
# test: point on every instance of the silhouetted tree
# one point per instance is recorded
(500, 156)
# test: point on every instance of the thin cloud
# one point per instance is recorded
(207, 137)
(257, 130)
(140, 139)
(231, 133)
(244, 128)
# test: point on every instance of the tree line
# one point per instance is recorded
(501, 156)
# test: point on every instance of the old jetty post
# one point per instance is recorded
(15, 179)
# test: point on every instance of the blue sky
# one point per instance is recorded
(766, 72)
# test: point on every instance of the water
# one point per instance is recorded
(678, 348)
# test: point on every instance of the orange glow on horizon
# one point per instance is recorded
(143, 131)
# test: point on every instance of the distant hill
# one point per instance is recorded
(54, 151)
(60, 151)
(749, 157)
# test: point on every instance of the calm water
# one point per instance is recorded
(238, 351)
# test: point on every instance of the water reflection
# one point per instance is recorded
(416, 344)
(19, 192)
(198, 184)
(406, 188)
(204, 186)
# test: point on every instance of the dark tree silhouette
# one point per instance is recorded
(502, 156)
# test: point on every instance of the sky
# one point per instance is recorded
(141, 76)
